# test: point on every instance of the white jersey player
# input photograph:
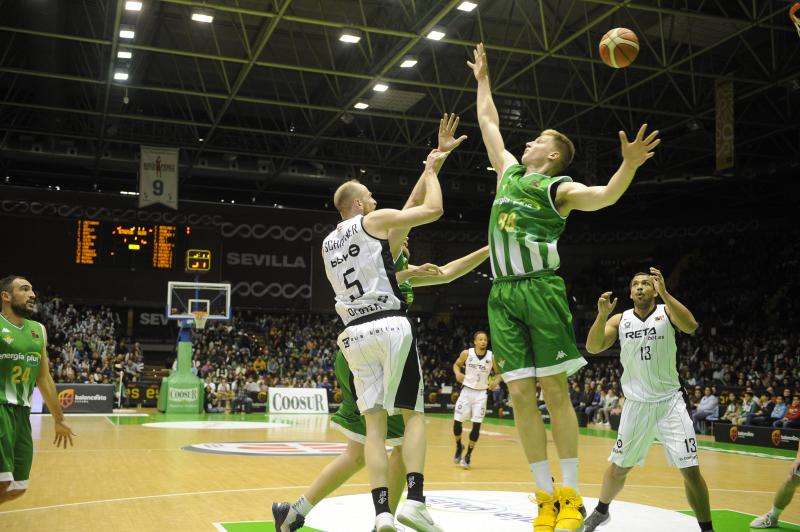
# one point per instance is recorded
(655, 406)
(378, 340)
(478, 364)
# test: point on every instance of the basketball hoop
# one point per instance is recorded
(200, 318)
(794, 15)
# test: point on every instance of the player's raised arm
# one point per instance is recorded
(423, 270)
(459, 363)
(576, 196)
(454, 269)
(47, 387)
(378, 223)
(488, 118)
(678, 314)
(603, 332)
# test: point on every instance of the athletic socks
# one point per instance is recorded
(469, 452)
(705, 525)
(459, 449)
(380, 498)
(569, 473)
(776, 512)
(302, 506)
(541, 475)
(602, 507)
(414, 481)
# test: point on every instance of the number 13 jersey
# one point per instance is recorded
(649, 356)
(361, 271)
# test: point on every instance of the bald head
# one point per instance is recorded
(353, 198)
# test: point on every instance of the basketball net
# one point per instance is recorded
(794, 15)
(200, 318)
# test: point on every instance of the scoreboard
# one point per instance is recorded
(136, 246)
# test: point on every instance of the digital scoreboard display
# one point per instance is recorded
(126, 245)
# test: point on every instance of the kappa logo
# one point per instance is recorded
(627, 325)
(8, 339)
(659, 318)
(5, 330)
(501, 363)
(560, 355)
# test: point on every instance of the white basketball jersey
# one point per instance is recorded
(477, 369)
(361, 271)
(649, 356)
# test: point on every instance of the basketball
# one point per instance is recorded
(619, 47)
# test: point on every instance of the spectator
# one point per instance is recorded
(610, 402)
(707, 407)
(791, 420)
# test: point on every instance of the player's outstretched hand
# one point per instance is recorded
(605, 305)
(425, 270)
(641, 148)
(480, 68)
(447, 133)
(64, 434)
(658, 282)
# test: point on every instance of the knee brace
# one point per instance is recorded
(475, 432)
(457, 429)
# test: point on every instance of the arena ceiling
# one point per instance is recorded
(261, 100)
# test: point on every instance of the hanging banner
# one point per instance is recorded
(723, 91)
(158, 176)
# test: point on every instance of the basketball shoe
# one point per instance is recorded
(384, 522)
(459, 450)
(547, 505)
(595, 520)
(465, 462)
(415, 515)
(286, 518)
(764, 521)
(571, 512)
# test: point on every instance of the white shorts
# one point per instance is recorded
(641, 423)
(382, 355)
(471, 405)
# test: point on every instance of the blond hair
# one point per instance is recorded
(344, 195)
(566, 149)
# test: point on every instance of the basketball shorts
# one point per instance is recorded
(531, 326)
(471, 405)
(16, 445)
(347, 419)
(382, 355)
(641, 423)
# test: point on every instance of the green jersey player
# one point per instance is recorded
(23, 365)
(529, 319)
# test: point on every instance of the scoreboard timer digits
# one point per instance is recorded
(198, 260)
(129, 245)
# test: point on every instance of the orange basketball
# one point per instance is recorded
(619, 47)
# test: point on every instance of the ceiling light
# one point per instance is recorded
(203, 17)
(126, 33)
(437, 33)
(408, 61)
(350, 36)
(361, 105)
(380, 87)
(467, 6)
(133, 6)
(124, 54)
(120, 75)
(200, 139)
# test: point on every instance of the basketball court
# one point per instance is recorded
(149, 471)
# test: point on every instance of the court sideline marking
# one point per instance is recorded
(242, 490)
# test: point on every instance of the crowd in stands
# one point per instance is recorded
(84, 346)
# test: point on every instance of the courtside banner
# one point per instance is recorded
(298, 401)
(85, 398)
(764, 436)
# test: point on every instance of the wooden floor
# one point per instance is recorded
(128, 477)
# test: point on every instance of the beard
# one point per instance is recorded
(21, 309)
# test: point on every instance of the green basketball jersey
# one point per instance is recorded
(524, 225)
(21, 351)
(405, 287)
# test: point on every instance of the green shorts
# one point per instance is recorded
(531, 327)
(347, 419)
(16, 445)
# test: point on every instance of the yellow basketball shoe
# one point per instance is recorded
(571, 511)
(546, 518)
